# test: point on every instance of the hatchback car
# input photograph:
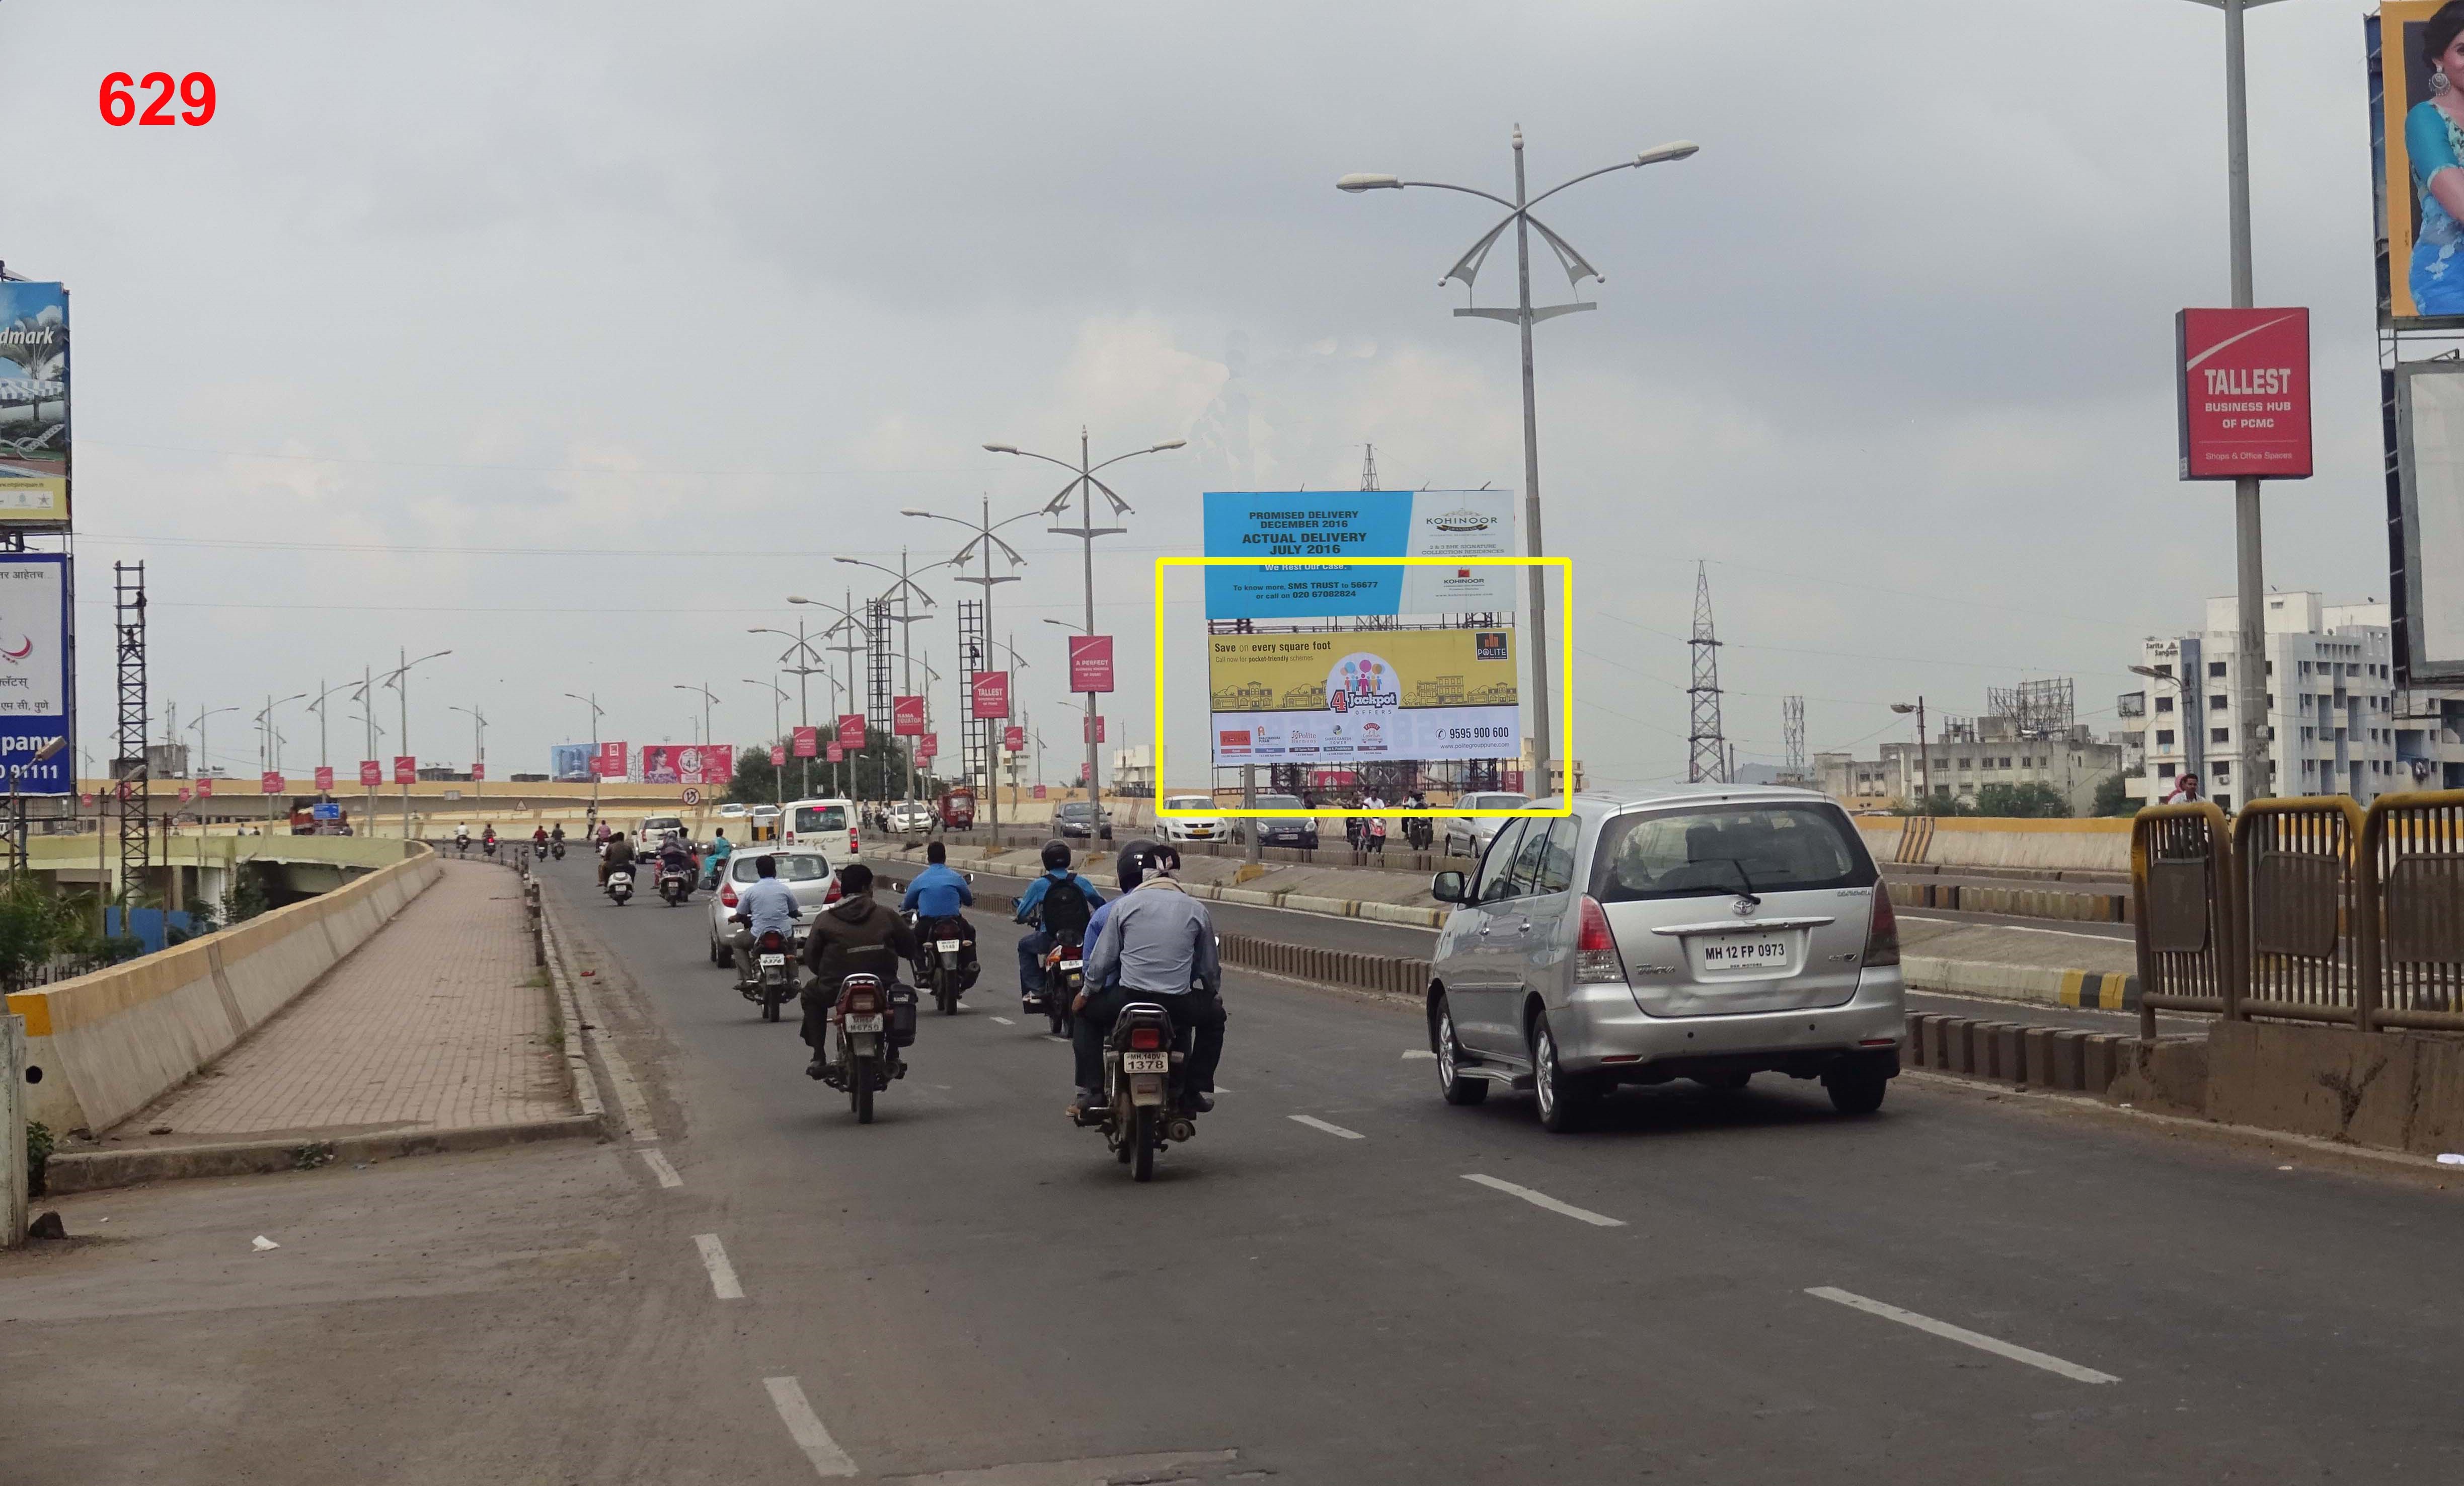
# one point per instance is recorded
(1285, 830)
(1465, 836)
(806, 873)
(910, 815)
(1708, 933)
(1203, 828)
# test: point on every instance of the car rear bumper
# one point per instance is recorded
(1607, 1033)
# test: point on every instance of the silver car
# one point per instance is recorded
(1710, 932)
(1468, 836)
(805, 871)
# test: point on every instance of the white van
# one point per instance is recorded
(826, 825)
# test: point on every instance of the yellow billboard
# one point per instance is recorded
(1348, 695)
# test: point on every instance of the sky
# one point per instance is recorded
(574, 338)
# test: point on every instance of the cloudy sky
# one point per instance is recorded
(575, 337)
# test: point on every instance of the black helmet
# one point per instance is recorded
(1056, 855)
(1142, 857)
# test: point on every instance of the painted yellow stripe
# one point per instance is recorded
(37, 1009)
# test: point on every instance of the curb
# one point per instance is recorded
(580, 1078)
(87, 1171)
(2093, 990)
(2061, 1059)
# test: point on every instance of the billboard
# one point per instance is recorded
(33, 405)
(1425, 523)
(688, 764)
(478, 772)
(778, 754)
(610, 762)
(35, 691)
(907, 717)
(1089, 730)
(271, 782)
(204, 788)
(835, 754)
(988, 694)
(1366, 694)
(569, 764)
(2420, 244)
(1090, 662)
(2429, 588)
(2242, 393)
(851, 730)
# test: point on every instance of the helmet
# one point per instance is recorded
(1056, 855)
(1142, 857)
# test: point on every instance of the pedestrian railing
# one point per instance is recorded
(2182, 877)
(2412, 900)
(2302, 947)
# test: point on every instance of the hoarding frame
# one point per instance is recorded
(64, 519)
(2406, 540)
(1565, 689)
(26, 741)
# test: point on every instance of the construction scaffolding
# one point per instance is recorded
(975, 738)
(128, 767)
(2034, 709)
(879, 658)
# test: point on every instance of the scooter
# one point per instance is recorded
(620, 885)
(1142, 1059)
(675, 884)
(558, 848)
(488, 846)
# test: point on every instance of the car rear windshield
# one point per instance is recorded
(663, 823)
(1279, 802)
(821, 817)
(1497, 802)
(1694, 853)
(1189, 802)
(792, 867)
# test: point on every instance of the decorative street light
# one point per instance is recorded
(479, 749)
(1577, 269)
(846, 623)
(906, 591)
(399, 678)
(985, 538)
(596, 713)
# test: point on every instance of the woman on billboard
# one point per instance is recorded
(2433, 139)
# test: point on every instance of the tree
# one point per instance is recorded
(2023, 801)
(756, 782)
(2111, 797)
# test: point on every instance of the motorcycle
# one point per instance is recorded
(1064, 977)
(461, 845)
(620, 885)
(1415, 831)
(675, 884)
(1142, 1055)
(866, 1027)
(774, 974)
(488, 846)
(558, 847)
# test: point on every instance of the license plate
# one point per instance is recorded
(948, 946)
(774, 962)
(864, 1024)
(1146, 1062)
(1072, 965)
(1746, 951)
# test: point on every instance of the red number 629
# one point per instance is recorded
(120, 105)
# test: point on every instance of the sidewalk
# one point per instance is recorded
(437, 1023)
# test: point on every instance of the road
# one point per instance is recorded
(1342, 1279)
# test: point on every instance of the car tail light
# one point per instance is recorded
(1595, 951)
(1146, 1039)
(832, 896)
(854, 847)
(1882, 939)
(727, 894)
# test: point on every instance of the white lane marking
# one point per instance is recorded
(2024, 928)
(1004, 1021)
(1544, 1200)
(1410, 1054)
(1049, 1037)
(1315, 1123)
(722, 1275)
(1961, 1334)
(805, 1426)
(657, 1162)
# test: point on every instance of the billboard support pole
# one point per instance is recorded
(2250, 567)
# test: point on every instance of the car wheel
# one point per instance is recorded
(1458, 1087)
(1565, 1098)
(1856, 1087)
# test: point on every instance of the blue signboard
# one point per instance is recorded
(324, 810)
(1288, 528)
(34, 686)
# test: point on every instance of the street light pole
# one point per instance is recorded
(779, 775)
(1925, 762)
(985, 540)
(1524, 317)
(1084, 482)
(399, 678)
(803, 668)
(592, 703)
(478, 753)
(906, 619)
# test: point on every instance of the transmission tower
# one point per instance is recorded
(128, 769)
(880, 681)
(1369, 466)
(1707, 756)
(1791, 722)
(975, 738)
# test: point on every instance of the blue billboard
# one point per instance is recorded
(34, 686)
(1291, 527)
(569, 764)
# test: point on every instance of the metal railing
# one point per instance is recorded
(2182, 876)
(2412, 899)
(2302, 946)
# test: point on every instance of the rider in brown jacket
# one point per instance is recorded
(856, 935)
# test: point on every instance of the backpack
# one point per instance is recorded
(1065, 909)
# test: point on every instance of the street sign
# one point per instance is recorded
(478, 773)
(807, 742)
(324, 810)
(204, 788)
(1090, 662)
(1014, 738)
(929, 745)
(1039, 789)
(778, 755)
(692, 796)
(835, 754)
(269, 782)
(1091, 730)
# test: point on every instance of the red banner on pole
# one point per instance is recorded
(1014, 738)
(988, 694)
(907, 717)
(405, 769)
(2243, 379)
(1038, 791)
(808, 741)
(204, 788)
(778, 755)
(324, 779)
(183, 794)
(271, 782)
(371, 772)
(835, 754)
(608, 763)
(927, 746)
(1090, 662)
(851, 730)
(478, 773)
(1090, 729)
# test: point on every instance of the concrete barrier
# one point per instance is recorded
(111, 1042)
(2100, 844)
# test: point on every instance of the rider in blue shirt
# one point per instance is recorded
(1064, 919)
(768, 904)
(936, 896)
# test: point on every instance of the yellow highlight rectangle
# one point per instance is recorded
(1565, 688)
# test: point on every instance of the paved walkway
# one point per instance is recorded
(437, 1023)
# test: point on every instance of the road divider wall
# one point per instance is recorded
(107, 1044)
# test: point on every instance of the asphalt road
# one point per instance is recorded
(1342, 1279)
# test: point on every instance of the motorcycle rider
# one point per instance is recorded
(1059, 905)
(935, 897)
(674, 856)
(539, 842)
(715, 860)
(487, 839)
(768, 904)
(615, 855)
(1158, 944)
(462, 837)
(556, 835)
(857, 935)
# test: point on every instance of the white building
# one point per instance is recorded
(2337, 721)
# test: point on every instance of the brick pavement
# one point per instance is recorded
(433, 1024)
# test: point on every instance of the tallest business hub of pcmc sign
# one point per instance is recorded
(2243, 380)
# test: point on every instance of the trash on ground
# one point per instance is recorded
(48, 1225)
(261, 1242)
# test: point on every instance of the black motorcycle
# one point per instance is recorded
(1065, 975)
(1143, 1057)
(1415, 831)
(774, 974)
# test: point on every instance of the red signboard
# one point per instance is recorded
(478, 773)
(271, 782)
(324, 779)
(851, 730)
(1038, 791)
(1092, 729)
(929, 745)
(1014, 738)
(204, 788)
(183, 794)
(405, 769)
(835, 754)
(1090, 662)
(2243, 379)
(609, 762)
(907, 717)
(808, 741)
(778, 755)
(987, 694)
(371, 772)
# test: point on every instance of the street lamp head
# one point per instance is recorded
(1675, 149)
(998, 449)
(1369, 182)
(798, 598)
(1177, 443)
(2148, 671)
(1903, 706)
